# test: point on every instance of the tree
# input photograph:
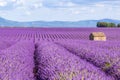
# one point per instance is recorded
(106, 24)
(111, 25)
(118, 25)
(98, 24)
(102, 24)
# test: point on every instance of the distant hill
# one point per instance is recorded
(84, 23)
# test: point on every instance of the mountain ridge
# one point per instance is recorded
(82, 23)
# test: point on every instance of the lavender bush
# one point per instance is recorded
(6, 44)
(17, 63)
(56, 63)
(70, 58)
(105, 59)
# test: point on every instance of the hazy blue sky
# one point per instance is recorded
(60, 10)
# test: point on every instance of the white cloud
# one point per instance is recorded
(65, 4)
(65, 9)
(28, 13)
(99, 5)
(28, 4)
(20, 8)
(92, 11)
(36, 5)
(83, 8)
(13, 0)
(76, 12)
(20, 2)
(3, 3)
(70, 4)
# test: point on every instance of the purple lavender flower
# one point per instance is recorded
(56, 63)
(17, 62)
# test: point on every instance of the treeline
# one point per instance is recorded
(106, 24)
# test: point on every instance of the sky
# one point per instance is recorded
(59, 10)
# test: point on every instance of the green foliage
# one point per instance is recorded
(105, 24)
(107, 65)
(111, 25)
(118, 25)
(102, 24)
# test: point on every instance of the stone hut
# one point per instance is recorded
(97, 36)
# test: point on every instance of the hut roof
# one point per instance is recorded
(98, 34)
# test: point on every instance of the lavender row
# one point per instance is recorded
(54, 62)
(38, 34)
(6, 44)
(17, 62)
(108, 61)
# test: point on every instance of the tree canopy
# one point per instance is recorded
(106, 24)
(118, 25)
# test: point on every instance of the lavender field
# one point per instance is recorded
(59, 54)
